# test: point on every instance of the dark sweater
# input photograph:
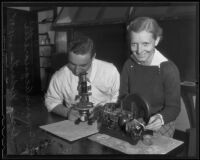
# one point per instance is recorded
(160, 86)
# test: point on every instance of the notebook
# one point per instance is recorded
(68, 130)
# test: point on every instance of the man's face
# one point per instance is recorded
(143, 45)
(79, 63)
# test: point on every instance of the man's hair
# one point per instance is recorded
(81, 44)
(145, 24)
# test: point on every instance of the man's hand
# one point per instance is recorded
(154, 123)
(73, 114)
(93, 111)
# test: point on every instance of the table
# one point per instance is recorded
(30, 133)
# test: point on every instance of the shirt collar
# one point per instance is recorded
(93, 70)
(158, 58)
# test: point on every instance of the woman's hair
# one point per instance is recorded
(145, 24)
(81, 44)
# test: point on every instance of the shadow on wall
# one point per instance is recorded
(58, 61)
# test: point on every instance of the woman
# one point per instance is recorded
(151, 75)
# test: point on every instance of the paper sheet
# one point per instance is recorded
(161, 144)
(68, 130)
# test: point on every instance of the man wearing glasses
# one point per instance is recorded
(103, 77)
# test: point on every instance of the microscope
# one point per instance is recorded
(84, 105)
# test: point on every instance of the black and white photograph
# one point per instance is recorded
(106, 80)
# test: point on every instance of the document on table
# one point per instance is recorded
(68, 130)
(161, 144)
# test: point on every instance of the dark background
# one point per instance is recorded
(179, 44)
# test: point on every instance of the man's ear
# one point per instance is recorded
(157, 41)
(94, 56)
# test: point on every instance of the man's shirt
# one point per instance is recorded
(104, 80)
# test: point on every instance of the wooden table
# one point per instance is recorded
(30, 133)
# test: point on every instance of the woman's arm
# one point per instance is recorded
(171, 81)
(124, 78)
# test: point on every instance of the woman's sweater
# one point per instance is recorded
(158, 84)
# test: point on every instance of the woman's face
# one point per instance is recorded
(143, 46)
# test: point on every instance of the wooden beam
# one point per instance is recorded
(41, 8)
(77, 14)
(100, 13)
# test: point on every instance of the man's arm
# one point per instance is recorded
(124, 78)
(54, 98)
(61, 110)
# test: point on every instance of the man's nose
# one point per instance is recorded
(77, 70)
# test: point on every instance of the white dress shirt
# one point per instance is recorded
(104, 80)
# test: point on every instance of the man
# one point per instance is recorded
(103, 77)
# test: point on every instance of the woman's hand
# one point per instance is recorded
(154, 123)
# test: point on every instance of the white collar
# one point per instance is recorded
(158, 58)
(93, 70)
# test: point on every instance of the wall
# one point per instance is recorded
(179, 44)
(45, 19)
(21, 48)
(110, 42)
